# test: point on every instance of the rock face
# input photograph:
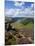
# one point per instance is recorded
(9, 27)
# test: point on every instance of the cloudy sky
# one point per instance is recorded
(19, 9)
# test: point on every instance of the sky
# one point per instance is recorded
(19, 9)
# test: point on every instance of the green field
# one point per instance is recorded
(18, 25)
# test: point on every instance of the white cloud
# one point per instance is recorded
(10, 12)
(28, 12)
(17, 3)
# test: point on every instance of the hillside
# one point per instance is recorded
(22, 33)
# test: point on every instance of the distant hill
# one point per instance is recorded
(27, 20)
(21, 19)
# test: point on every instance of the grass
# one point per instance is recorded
(20, 25)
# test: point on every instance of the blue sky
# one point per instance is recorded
(11, 4)
(19, 9)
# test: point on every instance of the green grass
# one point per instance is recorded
(20, 25)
